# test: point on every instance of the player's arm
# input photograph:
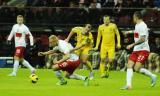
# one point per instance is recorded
(48, 52)
(30, 37)
(70, 35)
(11, 34)
(65, 57)
(118, 37)
(128, 32)
(78, 47)
(143, 32)
(92, 39)
(141, 40)
(98, 38)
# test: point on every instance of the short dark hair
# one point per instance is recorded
(138, 14)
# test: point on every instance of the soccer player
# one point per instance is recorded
(20, 32)
(68, 63)
(107, 32)
(83, 35)
(140, 52)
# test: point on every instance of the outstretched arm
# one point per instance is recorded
(70, 35)
(118, 37)
(98, 38)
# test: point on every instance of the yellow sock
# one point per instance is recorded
(89, 66)
(102, 68)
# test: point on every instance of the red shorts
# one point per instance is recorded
(19, 52)
(69, 66)
(139, 56)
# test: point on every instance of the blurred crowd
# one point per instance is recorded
(83, 3)
(66, 16)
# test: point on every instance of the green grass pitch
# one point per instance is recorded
(46, 86)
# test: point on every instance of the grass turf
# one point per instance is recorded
(46, 86)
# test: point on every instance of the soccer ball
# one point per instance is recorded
(33, 78)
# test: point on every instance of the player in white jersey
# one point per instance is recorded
(20, 32)
(68, 63)
(140, 52)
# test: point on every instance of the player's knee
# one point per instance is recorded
(54, 67)
(136, 69)
(67, 76)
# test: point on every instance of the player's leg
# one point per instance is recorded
(26, 64)
(17, 57)
(111, 54)
(129, 75)
(138, 67)
(15, 66)
(70, 67)
(103, 55)
(85, 60)
(58, 74)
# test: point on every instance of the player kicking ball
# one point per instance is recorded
(68, 63)
(20, 32)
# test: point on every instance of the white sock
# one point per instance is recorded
(146, 72)
(129, 76)
(26, 64)
(76, 76)
(15, 66)
(59, 75)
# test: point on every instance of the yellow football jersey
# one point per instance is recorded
(82, 37)
(107, 33)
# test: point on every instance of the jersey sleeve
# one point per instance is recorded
(76, 30)
(11, 34)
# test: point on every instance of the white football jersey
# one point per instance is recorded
(20, 32)
(141, 29)
(65, 48)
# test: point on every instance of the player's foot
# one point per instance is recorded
(86, 81)
(64, 82)
(126, 88)
(33, 71)
(91, 76)
(105, 75)
(154, 79)
(12, 75)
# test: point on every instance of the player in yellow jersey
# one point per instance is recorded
(107, 32)
(85, 40)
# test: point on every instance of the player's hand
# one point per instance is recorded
(66, 40)
(130, 46)
(32, 48)
(9, 42)
(41, 54)
(95, 49)
(118, 46)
